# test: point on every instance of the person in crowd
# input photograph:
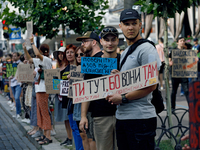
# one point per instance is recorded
(43, 117)
(196, 45)
(67, 102)
(88, 143)
(136, 116)
(177, 81)
(60, 114)
(90, 43)
(16, 87)
(160, 51)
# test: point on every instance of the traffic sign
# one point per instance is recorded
(15, 34)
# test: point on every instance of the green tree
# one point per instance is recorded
(48, 15)
(166, 9)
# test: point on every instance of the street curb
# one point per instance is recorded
(21, 127)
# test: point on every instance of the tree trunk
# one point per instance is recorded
(168, 97)
(63, 35)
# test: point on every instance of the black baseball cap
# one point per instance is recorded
(109, 30)
(128, 14)
(195, 39)
(89, 35)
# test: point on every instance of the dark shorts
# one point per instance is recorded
(136, 134)
(162, 67)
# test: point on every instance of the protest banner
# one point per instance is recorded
(75, 76)
(56, 82)
(98, 65)
(184, 64)
(123, 82)
(64, 87)
(29, 27)
(194, 117)
(49, 75)
(25, 73)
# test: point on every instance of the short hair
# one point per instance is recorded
(17, 53)
(161, 40)
(70, 46)
(180, 38)
(44, 48)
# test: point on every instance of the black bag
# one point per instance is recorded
(157, 99)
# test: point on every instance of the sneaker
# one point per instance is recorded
(9, 102)
(25, 120)
(17, 116)
(11, 105)
(67, 142)
(13, 108)
(37, 134)
(53, 132)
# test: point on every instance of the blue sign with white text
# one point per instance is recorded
(98, 65)
(15, 34)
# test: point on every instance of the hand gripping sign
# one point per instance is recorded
(123, 82)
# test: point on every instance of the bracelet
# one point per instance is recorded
(32, 43)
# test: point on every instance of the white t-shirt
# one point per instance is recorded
(47, 64)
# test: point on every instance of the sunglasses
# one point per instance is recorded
(109, 30)
(81, 54)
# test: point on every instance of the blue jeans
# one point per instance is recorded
(75, 132)
(136, 134)
(16, 93)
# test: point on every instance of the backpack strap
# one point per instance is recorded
(132, 49)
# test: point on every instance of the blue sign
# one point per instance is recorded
(56, 82)
(15, 34)
(98, 65)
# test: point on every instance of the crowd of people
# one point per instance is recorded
(126, 121)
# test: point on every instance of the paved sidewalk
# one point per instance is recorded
(60, 136)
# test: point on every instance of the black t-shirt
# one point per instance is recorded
(101, 107)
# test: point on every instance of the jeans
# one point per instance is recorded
(16, 93)
(175, 84)
(75, 132)
(136, 134)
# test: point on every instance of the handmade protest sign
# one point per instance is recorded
(64, 87)
(184, 64)
(29, 27)
(49, 75)
(56, 82)
(194, 117)
(25, 73)
(75, 76)
(98, 65)
(123, 82)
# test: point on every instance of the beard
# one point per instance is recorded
(131, 39)
(88, 50)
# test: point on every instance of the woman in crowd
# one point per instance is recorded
(43, 117)
(88, 143)
(67, 102)
(59, 113)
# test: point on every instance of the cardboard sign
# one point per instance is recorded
(184, 64)
(49, 75)
(64, 87)
(98, 65)
(25, 73)
(75, 76)
(56, 82)
(194, 117)
(123, 82)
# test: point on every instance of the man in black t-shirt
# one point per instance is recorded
(177, 81)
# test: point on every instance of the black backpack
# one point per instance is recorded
(157, 99)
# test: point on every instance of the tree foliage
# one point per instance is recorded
(48, 15)
(173, 6)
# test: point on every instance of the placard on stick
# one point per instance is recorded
(123, 82)
(98, 65)
(25, 73)
(184, 64)
(194, 117)
(49, 75)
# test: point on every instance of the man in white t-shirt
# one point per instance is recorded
(43, 62)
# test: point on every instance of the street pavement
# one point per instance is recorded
(11, 128)
(11, 138)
